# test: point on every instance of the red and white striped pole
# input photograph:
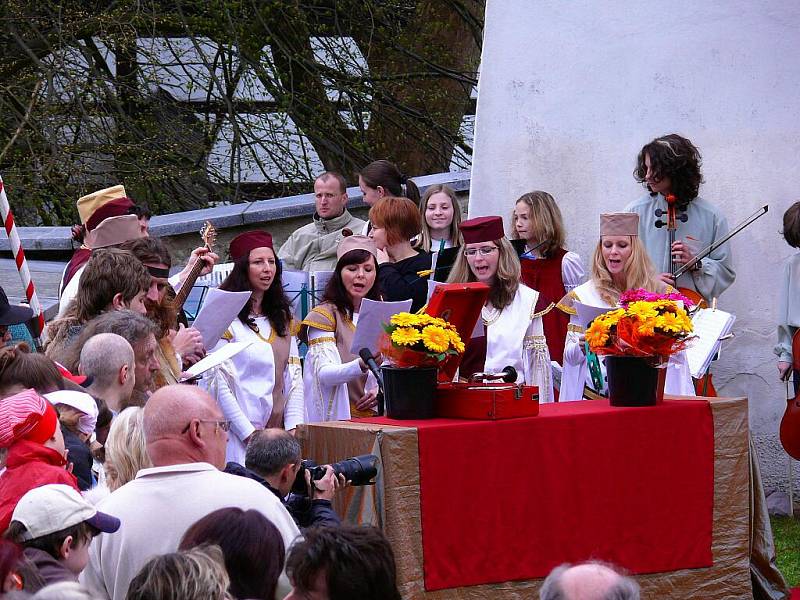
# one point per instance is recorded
(19, 258)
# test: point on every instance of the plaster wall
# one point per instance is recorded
(569, 93)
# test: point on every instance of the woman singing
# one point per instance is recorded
(513, 333)
(264, 388)
(335, 379)
(620, 263)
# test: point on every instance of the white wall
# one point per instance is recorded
(571, 91)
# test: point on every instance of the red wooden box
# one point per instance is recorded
(486, 401)
(460, 304)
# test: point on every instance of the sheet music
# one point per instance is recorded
(320, 281)
(371, 317)
(297, 285)
(219, 310)
(587, 313)
(709, 326)
(217, 357)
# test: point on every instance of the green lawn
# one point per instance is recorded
(787, 547)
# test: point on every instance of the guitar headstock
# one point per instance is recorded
(209, 235)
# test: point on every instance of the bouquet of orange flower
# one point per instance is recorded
(419, 340)
(657, 327)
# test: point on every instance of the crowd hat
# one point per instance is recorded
(243, 243)
(12, 314)
(80, 401)
(482, 229)
(99, 205)
(619, 224)
(355, 242)
(113, 231)
(55, 507)
(26, 416)
(82, 380)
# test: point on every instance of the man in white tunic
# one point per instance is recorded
(186, 436)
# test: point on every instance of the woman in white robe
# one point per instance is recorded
(336, 382)
(261, 386)
(620, 263)
(513, 331)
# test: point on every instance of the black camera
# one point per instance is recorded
(358, 470)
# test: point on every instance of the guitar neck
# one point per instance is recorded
(188, 284)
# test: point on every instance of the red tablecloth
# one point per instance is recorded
(509, 500)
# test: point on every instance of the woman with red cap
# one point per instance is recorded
(620, 263)
(265, 387)
(513, 331)
(36, 452)
(337, 386)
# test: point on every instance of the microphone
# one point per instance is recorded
(509, 374)
(369, 360)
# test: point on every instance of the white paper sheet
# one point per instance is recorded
(320, 281)
(297, 284)
(587, 313)
(371, 317)
(215, 358)
(709, 326)
(219, 310)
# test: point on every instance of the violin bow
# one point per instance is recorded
(717, 243)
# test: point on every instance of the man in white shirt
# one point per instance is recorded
(186, 436)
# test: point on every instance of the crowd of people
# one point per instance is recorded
(119, 481)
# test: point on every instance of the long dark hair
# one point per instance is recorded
(274, 304)
(675, 157)
(251, 545)
(335, 292)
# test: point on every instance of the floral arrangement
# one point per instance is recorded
(654, 327)
(640, 294)
(419, 340)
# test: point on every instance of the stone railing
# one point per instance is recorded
(281, 216)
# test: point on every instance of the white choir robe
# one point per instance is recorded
(243, 386)
(576, 369)
(524, 348)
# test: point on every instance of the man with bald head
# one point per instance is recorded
(109, 360)
(186, 435)
(592, 580)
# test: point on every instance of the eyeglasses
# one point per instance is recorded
(224, 425)
(483, 250)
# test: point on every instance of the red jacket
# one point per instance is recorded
(29, 465)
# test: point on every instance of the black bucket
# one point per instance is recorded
(633, 381)
(408, 393)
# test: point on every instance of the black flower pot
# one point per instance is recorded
(633, 381)
(408, 393)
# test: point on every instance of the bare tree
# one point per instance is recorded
(192, 102)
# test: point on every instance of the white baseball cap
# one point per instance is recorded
(80, 401)
(54, 507)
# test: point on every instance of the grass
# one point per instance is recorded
(787, 546)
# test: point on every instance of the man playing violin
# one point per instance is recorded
(669, 167)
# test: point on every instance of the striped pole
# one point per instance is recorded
(19, 258)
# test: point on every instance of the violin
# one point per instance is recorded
(790, 423)
(704, 386)
(673, 216)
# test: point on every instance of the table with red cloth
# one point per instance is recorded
(485, 509)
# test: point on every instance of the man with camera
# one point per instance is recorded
(274, 459)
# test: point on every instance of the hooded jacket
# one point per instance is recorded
(29, 465)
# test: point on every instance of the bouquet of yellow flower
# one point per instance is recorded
(419, 340)
(657, 327)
